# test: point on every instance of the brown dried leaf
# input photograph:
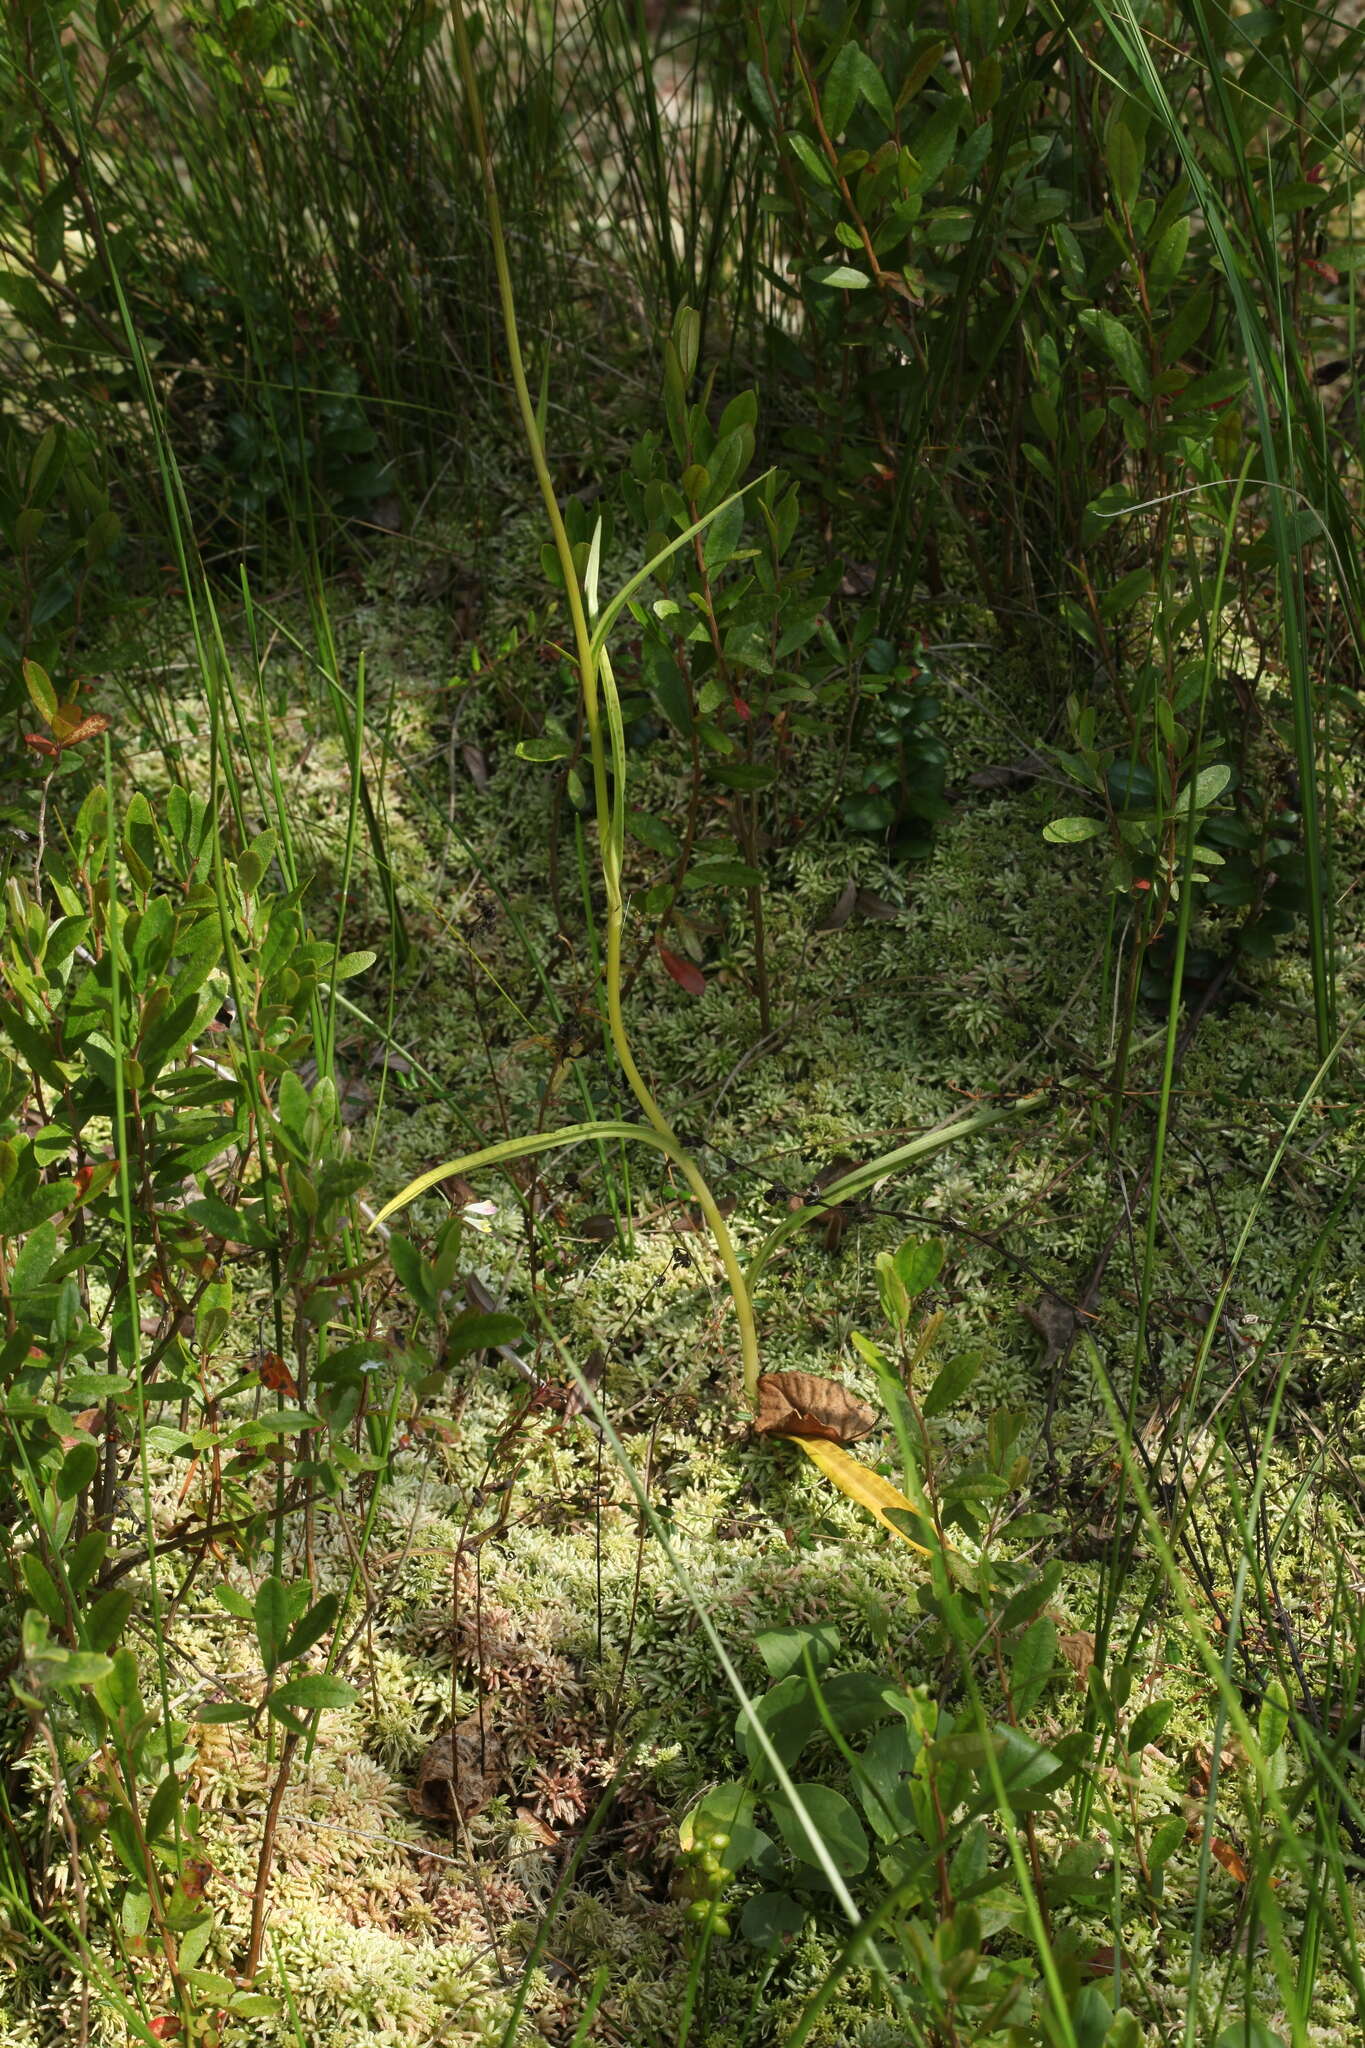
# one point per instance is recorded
(802, 1404)
(1229, 1858)
(1006, 774)
(834, 1170)
(1100, 1961)
(195, 1873)
(460, 1772)
(592, 1369)
(1199, 1763)
(835, 1217)
(1056, 1322)
(386, 513)
(1077, 1645)
(689, 1219)
(275, 1374)
(876, 908)
(836, 915)
(356, 1099)
(534, 1825)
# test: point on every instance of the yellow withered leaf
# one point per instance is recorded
(861, 1484)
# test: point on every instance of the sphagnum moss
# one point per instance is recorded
(880, 1035)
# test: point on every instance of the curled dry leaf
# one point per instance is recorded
(876, 908)
(853, 901)
(802, 1404)
(195, 1873)
(1007, 774)
(1200, 1765)
(534, 1825)
(1056, 1322)
(275, 1374)
(476, 765)
(386, 513)
(84, 729)
(689, 1220)
(836, 915)
(1101, 1961)
(459, 1773)
(1077, 1645)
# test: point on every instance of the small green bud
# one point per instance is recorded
(1274, 1717)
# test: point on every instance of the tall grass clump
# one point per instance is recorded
(288, 202)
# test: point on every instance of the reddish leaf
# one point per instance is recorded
(1229, 1858)
(41, 744)
(683, 972)
(1100, 1962)
(89, 728)
(276, 1375)
(63, 720)
(194, 1876)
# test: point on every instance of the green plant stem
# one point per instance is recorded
(595, 678)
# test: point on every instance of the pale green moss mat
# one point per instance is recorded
(382, 1928)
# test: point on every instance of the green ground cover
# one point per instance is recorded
(930, 897)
